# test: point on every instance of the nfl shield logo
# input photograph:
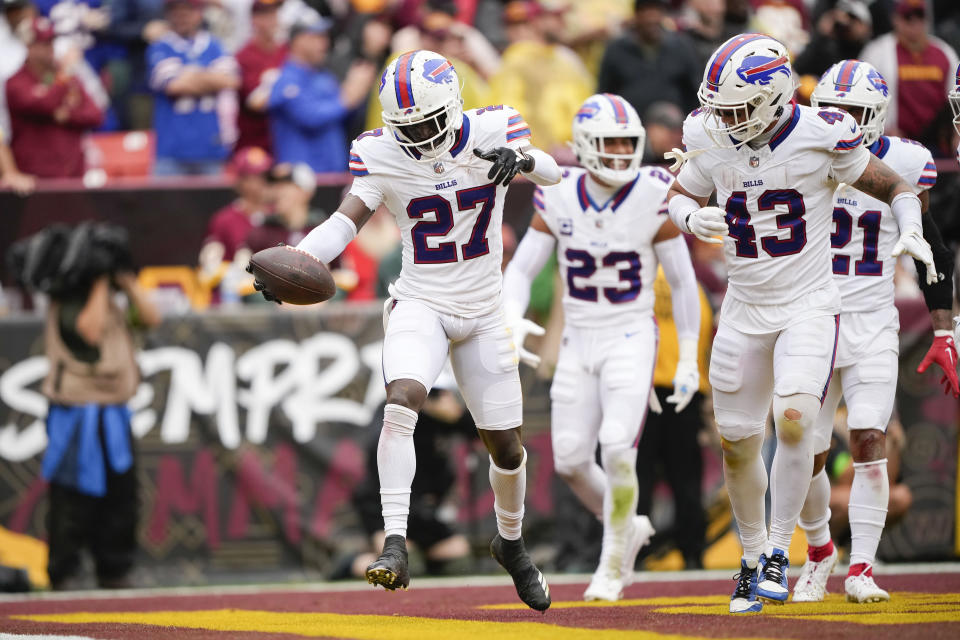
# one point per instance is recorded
(754, 161)
(438, 167)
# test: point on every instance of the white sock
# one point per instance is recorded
(746, 481)
(509, 490)
(589, 483)
(792, 464)
(815, 515)
(396, 466)
(869, 496)
(619, 503)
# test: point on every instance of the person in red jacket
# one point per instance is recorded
(49, 109)
(259, 61)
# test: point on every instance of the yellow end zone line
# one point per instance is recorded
(354, 627)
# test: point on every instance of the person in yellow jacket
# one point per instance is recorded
(668, 446)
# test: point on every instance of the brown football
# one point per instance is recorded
(293, 275)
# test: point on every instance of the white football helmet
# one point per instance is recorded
(954, 96)
(422, 107)
(605, 115)
(749, 80)
(852, 83)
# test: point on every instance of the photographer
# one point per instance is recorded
(93, 373)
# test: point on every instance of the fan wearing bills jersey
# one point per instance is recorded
(774, 166)
(608, 225)
(865, 369)
(443, 172)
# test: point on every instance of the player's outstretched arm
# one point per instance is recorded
(883, 183)
(531, 254)
(674, 257)
(328, 240)
(691, 214)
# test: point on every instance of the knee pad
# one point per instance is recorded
(794, 416)
(571, 456)
(620, 464)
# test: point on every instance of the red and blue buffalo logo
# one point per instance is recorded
(587, 111)
(438, 71)
(761, 69)
(878, 82)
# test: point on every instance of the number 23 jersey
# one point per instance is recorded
(605, 250)
(778, 199)
(449, 213)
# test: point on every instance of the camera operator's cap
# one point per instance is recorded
(265, 5)
(251, 161)
(857, 9)
(907, 8)
(39, 29)
(299, 174)
(314, 24)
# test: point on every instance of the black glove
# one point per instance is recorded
(506, 164)
(262, 288)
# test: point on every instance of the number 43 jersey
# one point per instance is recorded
(449, 213)
(865, 230)
(778, 199)
(605, 250)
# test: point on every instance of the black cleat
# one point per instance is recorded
(530, 583)
(390, 569)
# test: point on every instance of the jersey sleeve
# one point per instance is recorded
(921, 174)
(518, 131)
(366, 185)
(843, 140)
(163, 65)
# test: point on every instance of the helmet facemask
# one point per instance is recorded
(731, 124)
(427, 136)
(613, 168)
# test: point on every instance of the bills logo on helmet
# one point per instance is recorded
(383, 80)
(761, 69)
(587, 111)
(438, 71)
(878, 82)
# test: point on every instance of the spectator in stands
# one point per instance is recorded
(841, 33)
(649, 64)
(194, 82)
(228, 229)
(919, 70)
(49, 109)
(291, 188)
(259, 61)
(669, 447)
(541, 78)
(705, 24)
(664, 124)
(308, 109)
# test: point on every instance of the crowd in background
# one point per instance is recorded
(298, 78)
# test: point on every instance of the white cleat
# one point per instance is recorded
(862, 588)
(812, 584)
(604, 586)
(640, 533)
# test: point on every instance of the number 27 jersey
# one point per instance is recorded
(449, 213)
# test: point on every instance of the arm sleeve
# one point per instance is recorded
(675, 259)
(162, 66)
(940, 294)
(328, 240)
(546, 171)
(532, 253)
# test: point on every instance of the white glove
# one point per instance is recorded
(911, 242)
(707, 222)
(521, 328)
(654, 402)
(686, 380)
(680, 157)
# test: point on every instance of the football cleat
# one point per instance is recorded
(640, 533)
(862, 588)
(390, 569)
(530, 583)
(604, 586)
(812, 584)
(744, 598)
(772, 578)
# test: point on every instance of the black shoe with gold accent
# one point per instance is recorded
(390, 569)
(530, 583)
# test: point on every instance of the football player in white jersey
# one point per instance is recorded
(774, 166)
(865, 369)
(443, 172)
(608, 225)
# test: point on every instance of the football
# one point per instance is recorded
(292, 275)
